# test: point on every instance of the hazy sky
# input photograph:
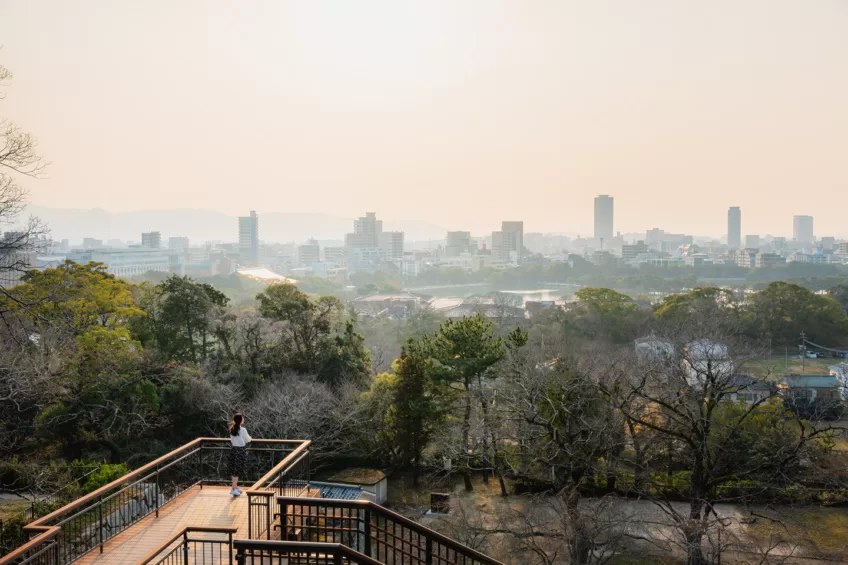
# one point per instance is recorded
(464, 113)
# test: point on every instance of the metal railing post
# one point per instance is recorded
(156, 496)
(284, 522)
(428, 555)
(230, 536)
(185, 547)
(249, 516)
(200, 467)
(367, 530)
(100, 519)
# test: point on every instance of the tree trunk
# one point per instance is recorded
(693, 533)
(579, 544)
(466, 431)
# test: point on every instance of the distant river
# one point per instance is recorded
(544, 292)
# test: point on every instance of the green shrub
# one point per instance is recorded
(103, 476)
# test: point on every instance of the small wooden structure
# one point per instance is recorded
(371, 481)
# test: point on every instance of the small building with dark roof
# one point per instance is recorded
(811, 387)
(371, 481)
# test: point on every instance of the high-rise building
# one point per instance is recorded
(392, 242)
(178, 243)
(457, 242)
(514, 239)
(604, 218)
(499, 252)
(734, 227)
(803, 230)
(308, 253)
(151, 239)
(249, 239)
(366, 232)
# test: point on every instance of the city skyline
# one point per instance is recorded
(316, 114)
(424, 230)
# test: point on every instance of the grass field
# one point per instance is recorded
(777, 366)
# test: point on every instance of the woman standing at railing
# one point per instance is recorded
(239, 438)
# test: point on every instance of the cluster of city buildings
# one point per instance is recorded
(369, 248)
(661, 248)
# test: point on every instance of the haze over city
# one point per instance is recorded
(423, 282)
(458, 115)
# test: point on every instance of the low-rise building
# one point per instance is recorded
(335, 254)
(812, 388)
(397, 304)
(749, 390)
(132, 261)
(768, 259)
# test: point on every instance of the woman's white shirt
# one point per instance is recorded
(242, 439)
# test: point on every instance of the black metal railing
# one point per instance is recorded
(37, 552)
(195, 545)
(44, 503)
(262, 552)
(289, 478)
(87, 523)
(372, 530)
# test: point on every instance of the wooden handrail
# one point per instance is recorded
(285, 501)
(117, 482)
(139, 472)
(46, 533)
(302, 448)
(212, 529)
(305, 546)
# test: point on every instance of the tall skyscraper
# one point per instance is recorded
(604, 218)
(152, 239)
(734, 227)
(802, 230)
(249, 239)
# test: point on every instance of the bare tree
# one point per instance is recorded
(301, 407)
(690, 396)
(17, 155)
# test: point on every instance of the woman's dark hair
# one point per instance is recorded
(235, 424)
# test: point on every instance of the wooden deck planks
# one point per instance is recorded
(209, 506)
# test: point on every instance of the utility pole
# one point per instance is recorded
(803, 349)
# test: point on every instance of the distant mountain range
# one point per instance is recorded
(205, 225)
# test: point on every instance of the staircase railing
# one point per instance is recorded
(187, 547)
(263, 552)
(87, 523)
(374, 531)
(290, 477)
